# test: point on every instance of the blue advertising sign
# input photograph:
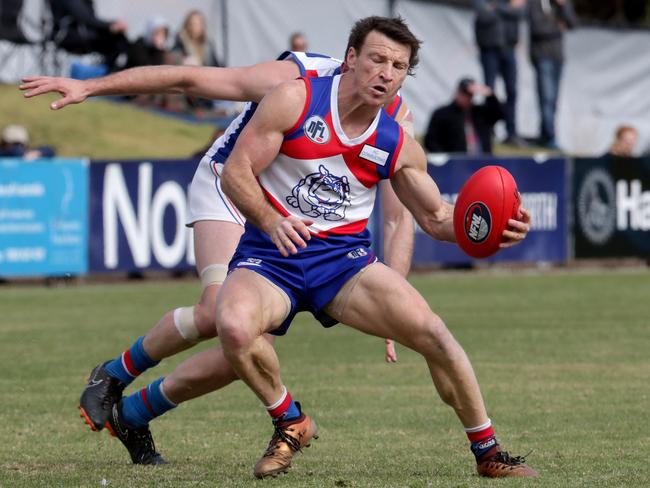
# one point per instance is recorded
(542, 185)
(137, 215)
(43, 217)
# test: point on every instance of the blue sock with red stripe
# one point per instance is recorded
(131, 363)
(284, 409)
(142, 407)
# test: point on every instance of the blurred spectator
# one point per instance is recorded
(194, 48)
(298, 42)
(9, 28)
(192, 42)
(15, 144)
(625, 142)
(464, 126)
(151, 49)
(77, 29)
(497, 33)
(548, 19)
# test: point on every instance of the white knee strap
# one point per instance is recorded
(215, 274)
(184, 322)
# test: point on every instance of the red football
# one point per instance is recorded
(485, 203)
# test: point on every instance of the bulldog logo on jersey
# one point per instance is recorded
(316, 130)
(321, 194)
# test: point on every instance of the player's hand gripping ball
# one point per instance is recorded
(485, 203)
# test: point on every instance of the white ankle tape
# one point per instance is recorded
(215, 274)
(184, 322)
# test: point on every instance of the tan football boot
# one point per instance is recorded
(289, 438)
(502, 465)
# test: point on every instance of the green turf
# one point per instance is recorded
(101, 129)
(562, 359)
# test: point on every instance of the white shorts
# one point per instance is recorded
(206, 199)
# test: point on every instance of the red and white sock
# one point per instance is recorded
(484, 442)
(284, 408)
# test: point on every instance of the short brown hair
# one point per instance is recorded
(394, 28)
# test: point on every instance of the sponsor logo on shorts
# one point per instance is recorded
(316, 130)
(250, 262)
(478, 222)
(357, 253)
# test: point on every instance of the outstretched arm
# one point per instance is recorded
(248, 83)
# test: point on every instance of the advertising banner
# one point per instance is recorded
(137, 215)
(611, 207)
(542, 185)
(43, 217)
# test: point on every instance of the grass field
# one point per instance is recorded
(562, 358)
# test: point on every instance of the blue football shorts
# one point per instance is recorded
(312, 277)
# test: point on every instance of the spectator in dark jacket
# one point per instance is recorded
(464, 126)
(497, 34)
(548, 19)
(77, 29)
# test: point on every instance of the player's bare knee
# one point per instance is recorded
(231, 319)
(204, 317)
(434, 340)
(234, 337)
